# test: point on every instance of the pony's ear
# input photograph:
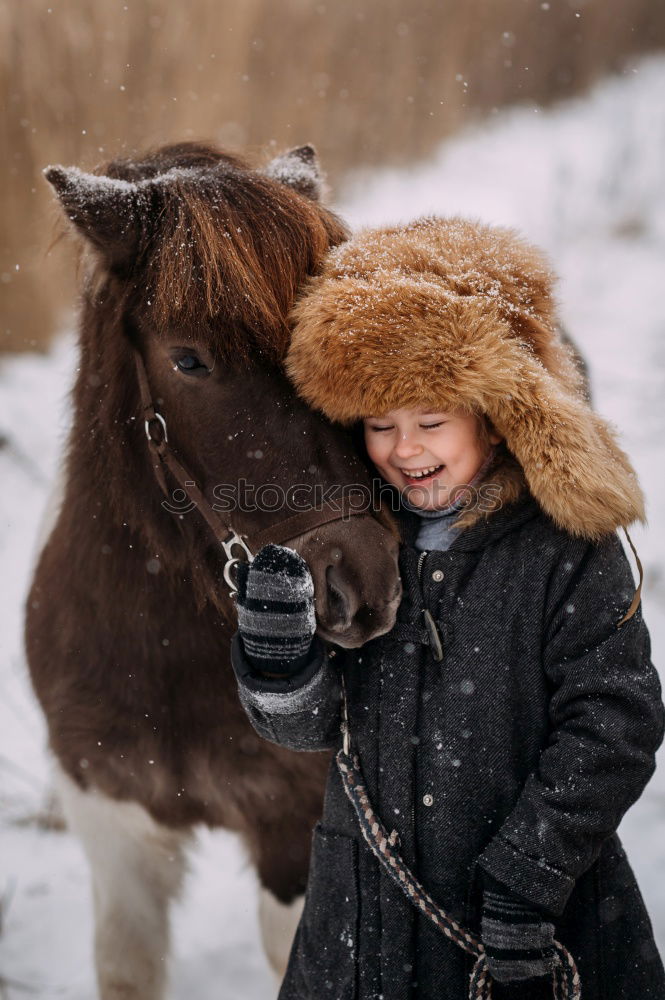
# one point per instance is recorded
(299, 169)
(105, 210)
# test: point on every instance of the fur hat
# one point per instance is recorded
(447, 313)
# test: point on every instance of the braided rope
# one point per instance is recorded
(566, 983)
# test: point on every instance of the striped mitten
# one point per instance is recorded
(276, 610)
(518, 939)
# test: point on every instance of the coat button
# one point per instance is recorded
(437, 575)
(428, 800)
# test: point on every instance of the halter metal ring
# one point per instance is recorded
(161, 420)
(234, 540)
(231, 584)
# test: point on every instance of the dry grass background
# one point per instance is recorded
(369, 81)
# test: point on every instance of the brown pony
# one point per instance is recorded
(192, 262)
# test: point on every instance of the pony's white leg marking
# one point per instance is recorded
(137, 869)
(278, 922)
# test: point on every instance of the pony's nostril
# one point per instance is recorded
(339, 605)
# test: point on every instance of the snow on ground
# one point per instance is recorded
(585, 181)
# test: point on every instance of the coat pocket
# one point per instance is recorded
(328, 932)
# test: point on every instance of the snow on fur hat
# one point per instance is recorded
(447, 313)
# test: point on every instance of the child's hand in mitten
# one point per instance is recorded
(518, 939)
(276, 610)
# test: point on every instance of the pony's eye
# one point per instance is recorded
(190, 364)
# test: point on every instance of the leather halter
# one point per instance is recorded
(227, 536)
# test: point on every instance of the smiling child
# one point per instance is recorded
(512, 715)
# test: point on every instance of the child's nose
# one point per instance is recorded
(407, 447)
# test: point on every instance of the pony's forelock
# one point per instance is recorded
(223, 249)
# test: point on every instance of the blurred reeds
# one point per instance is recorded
(368, 81)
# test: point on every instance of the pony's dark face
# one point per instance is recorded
(197, 261)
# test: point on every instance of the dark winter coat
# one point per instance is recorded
(516, 755)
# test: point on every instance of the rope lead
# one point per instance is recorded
(566, 983)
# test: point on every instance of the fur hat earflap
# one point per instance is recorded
(451, 314)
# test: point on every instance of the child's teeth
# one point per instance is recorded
(421, 475)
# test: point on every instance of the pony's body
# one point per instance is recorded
(128, 628)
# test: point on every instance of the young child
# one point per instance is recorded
(512, 715)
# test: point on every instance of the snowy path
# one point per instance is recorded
(585, 180)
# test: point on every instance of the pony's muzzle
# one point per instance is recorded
(346, 616)
(356, 581)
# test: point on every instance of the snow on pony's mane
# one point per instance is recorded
(222, 248)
